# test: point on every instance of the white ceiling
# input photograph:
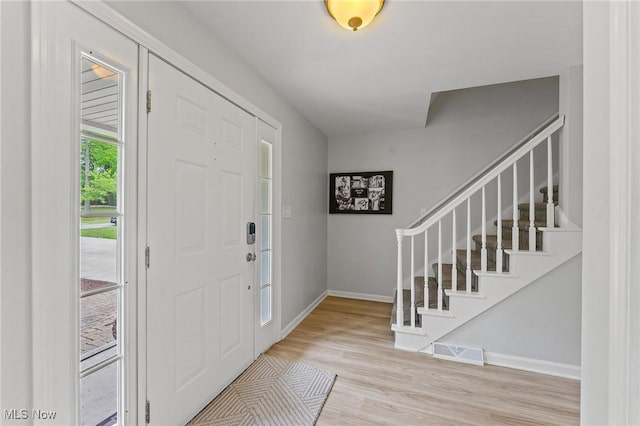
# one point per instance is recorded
(382, 77)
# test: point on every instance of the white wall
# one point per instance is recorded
(541, 322)
(467, 130)
(596, 216)
(16, 196)
(304, 153)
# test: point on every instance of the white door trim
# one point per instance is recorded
(141, 379)
(1, 201)
(45, 376)
(624, 308)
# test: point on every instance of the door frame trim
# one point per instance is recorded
(624, 303)
(141, 297)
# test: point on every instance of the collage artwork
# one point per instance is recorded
(361, 193)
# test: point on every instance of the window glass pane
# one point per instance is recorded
(98, 252)
(265, 159)
(100, 111)
(265, 268)
(265, 304)
(265, 194)
(99, 397)
(98, 326)
(98, 176)
(265, 230)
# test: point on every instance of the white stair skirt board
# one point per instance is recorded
(560, 245)
(361, 296)
(302, 315)
(458, 353)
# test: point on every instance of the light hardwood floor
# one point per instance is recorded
(378, 384)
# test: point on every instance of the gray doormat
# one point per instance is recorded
(271, 391)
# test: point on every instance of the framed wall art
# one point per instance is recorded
(361, 192)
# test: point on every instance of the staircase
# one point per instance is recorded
(461, 283)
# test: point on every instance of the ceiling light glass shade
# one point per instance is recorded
(353, 14)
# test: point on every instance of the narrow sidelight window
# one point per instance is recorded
(102, 218)
(266, 241)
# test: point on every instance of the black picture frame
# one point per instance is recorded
(361, 192)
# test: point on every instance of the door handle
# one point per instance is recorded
(251, 257)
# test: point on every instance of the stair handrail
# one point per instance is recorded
(484, 176)
(540, 128)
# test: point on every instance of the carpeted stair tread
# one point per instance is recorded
(539, 208)
(476, 258)
(419, 295)
(447, 283)
(433, 295)
(446, 276)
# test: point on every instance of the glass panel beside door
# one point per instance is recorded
(101, 223)
(266, 215)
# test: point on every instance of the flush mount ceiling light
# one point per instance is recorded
(353, 14)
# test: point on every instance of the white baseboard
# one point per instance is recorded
(360, 296)
(301, 316)
(551, 368)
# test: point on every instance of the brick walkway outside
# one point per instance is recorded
(97, 314)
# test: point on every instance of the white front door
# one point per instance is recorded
(200, 282)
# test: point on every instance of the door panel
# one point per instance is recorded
(201, 194)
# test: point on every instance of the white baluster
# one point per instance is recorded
(483, 250)
(426, 269)
(400, 296)
(515, 232)
(413, 285)
(499, 236)
(439, 265)
(550, 205)
(454, 256)
(468, 271)
(532, 207)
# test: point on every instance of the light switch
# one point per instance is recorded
(287, 212)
